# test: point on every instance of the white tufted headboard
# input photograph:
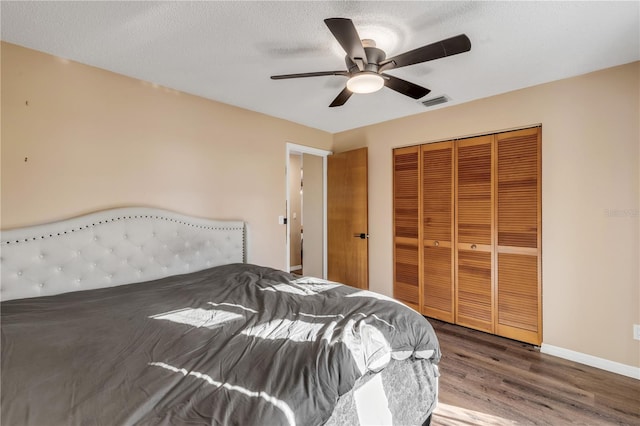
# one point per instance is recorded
(111, 248)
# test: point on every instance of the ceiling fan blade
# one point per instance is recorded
(345, 32)
(309, 74)
(341, 98)
(404, 87)
(441, 49)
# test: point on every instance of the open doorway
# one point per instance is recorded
(306, 177)
(295, 218)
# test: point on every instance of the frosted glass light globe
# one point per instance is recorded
(365, 82)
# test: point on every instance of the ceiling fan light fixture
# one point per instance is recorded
(366, 63)
(365, 82)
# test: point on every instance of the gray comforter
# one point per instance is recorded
(235, 344)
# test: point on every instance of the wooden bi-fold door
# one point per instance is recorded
(437, 230)
(518, 220)
(406, 229)
(474, 233)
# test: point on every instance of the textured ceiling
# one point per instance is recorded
(226, 51)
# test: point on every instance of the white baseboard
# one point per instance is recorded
(295, 268)
(593, 361)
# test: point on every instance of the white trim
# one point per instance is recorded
(325, 251)
(593, 361)
(302, 149)
(307, 150)
(295, 268)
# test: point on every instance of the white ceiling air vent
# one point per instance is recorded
(435, 101)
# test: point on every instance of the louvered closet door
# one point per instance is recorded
(406, 217)
(518, 220)
(474, 233)
(437, 230)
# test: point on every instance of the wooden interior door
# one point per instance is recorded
(437, 230)
(347, 218)
(518, 221)
(406, 230)
(474, 233)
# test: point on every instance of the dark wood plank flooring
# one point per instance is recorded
(489, 380)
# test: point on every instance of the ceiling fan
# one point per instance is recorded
(366, 63)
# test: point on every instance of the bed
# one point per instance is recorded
(144, 316)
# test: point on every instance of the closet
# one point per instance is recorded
(467, 232)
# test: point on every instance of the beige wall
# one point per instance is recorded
(95, 140)
(590, 199)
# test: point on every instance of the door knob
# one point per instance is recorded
(361, 236)
(436, 243)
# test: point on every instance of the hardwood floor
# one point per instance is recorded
(490, 380)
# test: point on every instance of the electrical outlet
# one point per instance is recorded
(636, 331)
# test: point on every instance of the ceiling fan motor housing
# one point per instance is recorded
(374, 57)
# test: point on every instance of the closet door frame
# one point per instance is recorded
(516, 241)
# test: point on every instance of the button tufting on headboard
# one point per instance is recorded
(113, 247)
